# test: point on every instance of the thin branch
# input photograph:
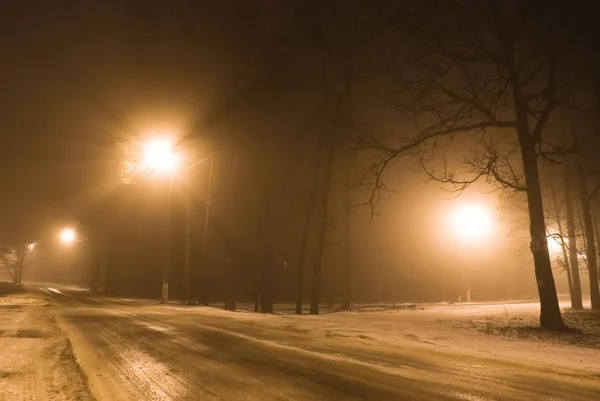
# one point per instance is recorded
(534, 73)
(594, 192)
(446, 132)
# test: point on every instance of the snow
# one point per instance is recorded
(453, 326)
(36, 361)
(140, 350)
(394, 353)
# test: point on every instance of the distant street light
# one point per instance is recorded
(31, 247)
(80, 235)
(471, 224)
(554, 244)
(68, 236)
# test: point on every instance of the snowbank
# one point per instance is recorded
(36, 362)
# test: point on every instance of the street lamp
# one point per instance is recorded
(68, 236)
(158, 157)
(471, 224)
(554, 244)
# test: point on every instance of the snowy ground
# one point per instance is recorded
(36, 358)
(584, 327)
(139, 350)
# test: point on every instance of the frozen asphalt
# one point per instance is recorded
(139, 350)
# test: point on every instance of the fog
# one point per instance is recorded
(111, 75)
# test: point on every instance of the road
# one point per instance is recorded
(139, 350)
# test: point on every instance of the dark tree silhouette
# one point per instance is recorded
(310, 206)
(495, 71)
(14, 260)
(555, 215)
(577, 301)
(590, 241)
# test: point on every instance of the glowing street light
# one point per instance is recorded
(158, 156)
(470, 224)
(31, 247)
(554, 245)
(68, 235)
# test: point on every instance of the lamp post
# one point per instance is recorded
(470, 225)
(188, 227)
(187, 273)
(159, 157)
(70, 236)
(164, 296)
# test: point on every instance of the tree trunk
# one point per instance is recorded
(229, 233)
(18, 276)
(305, 234)
(187, 257)
(266, 293)
(210, 187)
(576, 298)
(563, 247)
(266, 252)
(347, 276)
(596, 234)
(109, 279)
(257, 301)
(590, 241)
(95, 260)
(102, 266)
(550, 317)
(230, 303)
(316, 278)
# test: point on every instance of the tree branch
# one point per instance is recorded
(551, 99)
(393, 153)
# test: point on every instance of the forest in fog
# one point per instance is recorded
(324, 151)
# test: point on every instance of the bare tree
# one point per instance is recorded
(266, 286)
(590, 241)
(576, 300)
(347, 272)
(328, 158)
(558, 193)
(596, 227)
(310, 206)
(341, 34)
(14, 260)
(495, 71)
(560, 238)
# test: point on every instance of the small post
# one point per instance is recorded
(165, 291)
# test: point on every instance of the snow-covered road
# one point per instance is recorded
(139, 350)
